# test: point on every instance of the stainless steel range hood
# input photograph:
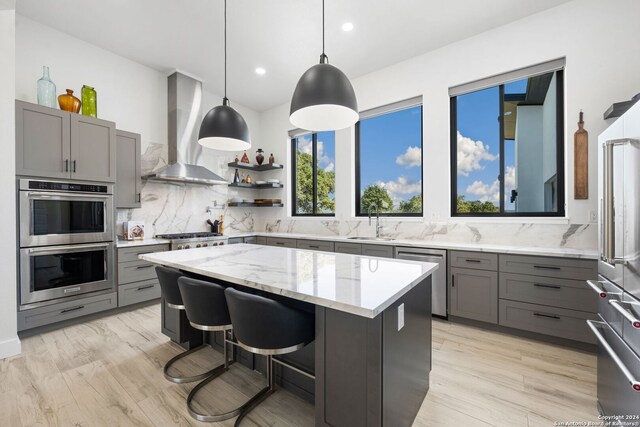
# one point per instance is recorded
(185, 115)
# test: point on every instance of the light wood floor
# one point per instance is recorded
(107, 372)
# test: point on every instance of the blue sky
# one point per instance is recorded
(390, 153)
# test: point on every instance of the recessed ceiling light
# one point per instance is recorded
(347, 26)
(260, 71)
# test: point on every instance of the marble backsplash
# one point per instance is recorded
(175, 208)
(575, 236)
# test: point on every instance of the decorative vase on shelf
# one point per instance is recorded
(236, 177)
(46, 89)
(271, 159)
(68, 102)
(89, 101)
(260, 156)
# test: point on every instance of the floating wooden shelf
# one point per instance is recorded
(257, 168)
(258, 186)
(255, 205)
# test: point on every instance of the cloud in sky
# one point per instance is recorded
(491, 192)
(400, 188)
(470, 155)
(326, 162)
(411, 158)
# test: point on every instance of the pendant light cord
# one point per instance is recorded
(323, 58)
(225, 49)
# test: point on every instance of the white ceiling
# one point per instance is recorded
(283, 36)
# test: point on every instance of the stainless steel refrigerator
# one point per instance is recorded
(618, 286)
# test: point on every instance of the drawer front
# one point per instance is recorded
(66, 310)
(564, 268)
(474, 294)
(348, 248)
(136, 271)
(235, 240)
(315, 245)
(134, 293)
(277, 241)
(261, 240)
(558, 322)
(475, 260)
(253, 240)
(377, 250)
(131, 254)
(564, 293)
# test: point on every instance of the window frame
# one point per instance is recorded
(358, 194)
(314, 176)
(560, 148)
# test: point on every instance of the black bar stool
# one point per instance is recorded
(264, 326)
(206, 308)
(168, 278)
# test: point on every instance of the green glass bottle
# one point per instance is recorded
(89, 101)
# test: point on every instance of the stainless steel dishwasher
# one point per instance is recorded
(438, 278)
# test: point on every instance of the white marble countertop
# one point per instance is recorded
(149, 241)
(505, 249)
(355, 284)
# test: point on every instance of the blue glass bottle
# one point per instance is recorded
(46, 90)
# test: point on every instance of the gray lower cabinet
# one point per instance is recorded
(57, 144)
(128, 170)
(279, 241)
(378, 250)
(50, 314)
(576, 269)
(252, 240)
(316, 245)
(137, 279)
(474, 294)
(348, 248)
(260, 240)
(475, 260)
(554, 321)
(235, 240)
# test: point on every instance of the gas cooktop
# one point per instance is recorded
(196, 235)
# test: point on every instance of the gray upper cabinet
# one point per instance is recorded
(128, 172)
(42, 141)
(53, 143)
(474, 294)
(93, 149)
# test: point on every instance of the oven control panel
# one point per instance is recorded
(67, 186)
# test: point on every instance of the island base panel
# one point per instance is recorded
(369, 373)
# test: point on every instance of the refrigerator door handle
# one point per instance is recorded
(626, 313)
(600, 291)
(594, 326)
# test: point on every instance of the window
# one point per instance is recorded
(507, 147)
(389, 160)
(314, 179)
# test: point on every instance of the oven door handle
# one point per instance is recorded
(627, 315)
(52, 195)
(67, 248)
(595, 326)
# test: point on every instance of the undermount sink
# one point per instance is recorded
(385, 239)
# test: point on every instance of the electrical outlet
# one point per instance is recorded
(593, 216)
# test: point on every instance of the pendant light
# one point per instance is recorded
(324, 98)
(223, 128)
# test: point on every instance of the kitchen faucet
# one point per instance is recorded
(378, 227)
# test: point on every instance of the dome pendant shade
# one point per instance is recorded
(323, 100)
(223, 128)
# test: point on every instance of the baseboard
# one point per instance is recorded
(10, 348)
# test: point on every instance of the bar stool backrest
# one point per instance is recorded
(204, 302)
(168, 278)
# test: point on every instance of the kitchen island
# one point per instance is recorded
(372, 352)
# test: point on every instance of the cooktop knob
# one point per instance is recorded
(180, 247)
(187, 246)
(204, 245)
(198, 245)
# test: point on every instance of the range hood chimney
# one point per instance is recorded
(185, 115)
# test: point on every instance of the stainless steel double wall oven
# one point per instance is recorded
(66, 239)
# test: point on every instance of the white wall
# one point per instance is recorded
(9, 342)
(598, 40)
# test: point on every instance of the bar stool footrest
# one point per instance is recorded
(182, 380)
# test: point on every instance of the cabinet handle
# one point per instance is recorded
(314, 246)
(80, 307)
(141, 288)
(74, 166)
(548, 316)
(453, 280)
(546, 267)
(139, 197)
(66, 165)
(542, 285)
(477, 261)
(140, 267)
(279, 243)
